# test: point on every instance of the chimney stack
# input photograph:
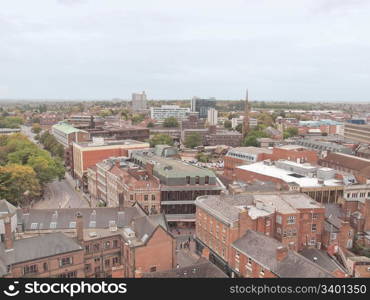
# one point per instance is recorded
(149, 168)
(80, 227)
(281, 253)
(121, 201)
(138, 273)
(291, 245)
(8, 234)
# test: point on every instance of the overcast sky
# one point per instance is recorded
(279, 49)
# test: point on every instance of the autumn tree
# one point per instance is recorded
(18, 184)
(193, 140)
(36, 128)
(161, 139)
(170, 122)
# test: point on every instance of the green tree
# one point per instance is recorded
(170, 122)
(18, 184)
(253, 135)
(202, 157)
(290, 132)
(19, 150)
(251, 141)
(10, 122)
(161, 139)
(137, 118)
(150, 125)
(265, 119)
(227, 124)
(105, 113)
(51, 144)
(231, 115)
(125, 114)
(239, 128)
(36, 128)
(193, 140)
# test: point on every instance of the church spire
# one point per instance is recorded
(246, 116)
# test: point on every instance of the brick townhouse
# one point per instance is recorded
(255, 255)
(337, 229)
(350, 219)
(83, 242)
(294, 219)
(115, 177)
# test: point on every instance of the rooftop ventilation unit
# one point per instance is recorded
(129, 233)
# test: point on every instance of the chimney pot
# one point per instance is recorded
(281, 253)
(8, 234)
(121, 200)
(138, 273)
(80, 227)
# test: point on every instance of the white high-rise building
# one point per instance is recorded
(139, 101)
(167, 111)
(236, 121)
(212, 116)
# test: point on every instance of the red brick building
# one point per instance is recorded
(357, 166)
(248, 155)
(320, 184)
(255, 255)
(83, 242)
(242, 156)
(294, 153)
(294, 219)
(88, 154)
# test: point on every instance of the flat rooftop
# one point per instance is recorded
(291, 147)
(287, 176)
(169, 167)
(251, 150)
(110, 143)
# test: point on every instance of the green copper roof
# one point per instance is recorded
(66, 128)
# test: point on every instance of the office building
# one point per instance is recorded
(212, 116)
(139, 101)
(202, 106)
(167, 111)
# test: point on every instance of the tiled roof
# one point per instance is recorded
(6, 208)
(262, 249)
(99, 217)
(351, 162)
(321, 258)
(203, 268)
(38, 247)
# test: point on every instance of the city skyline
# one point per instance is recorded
(89, 50)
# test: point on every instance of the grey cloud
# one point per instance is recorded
(172, 49)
